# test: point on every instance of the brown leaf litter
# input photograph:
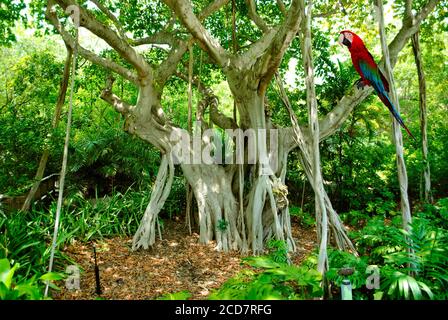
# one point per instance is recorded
(176, 263)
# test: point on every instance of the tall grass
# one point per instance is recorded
(25, 237)
(116, 215)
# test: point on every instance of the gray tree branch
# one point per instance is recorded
(161, 37)
(111, 16)
(184, 12)
(253, 15)
(282, 7)
(178, 48)
(283, 38)
(108, 96)
(89, 55)
(123, 48)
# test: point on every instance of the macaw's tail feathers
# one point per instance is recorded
(385, 98)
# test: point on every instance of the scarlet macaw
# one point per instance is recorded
(368, 70)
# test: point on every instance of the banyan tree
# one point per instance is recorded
(240, 197)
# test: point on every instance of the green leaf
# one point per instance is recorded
(416, 292)
(3, 291)
(403, 285)
(378, 295)
(52, 276)
(6, 272)
(426, 289)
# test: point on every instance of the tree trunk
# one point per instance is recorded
(265, 212)
(146, 232)
(423, 117)
(313, 122)
(397, 136)
(189, 192)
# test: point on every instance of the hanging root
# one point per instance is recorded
(273, 222)
(254, 212)
(241, 225)
(146, 233)
(337, 229)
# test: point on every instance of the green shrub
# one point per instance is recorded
(25, 239)
(271, 280)
(355, 218)
(401, 286)
(437, 214)
(278, 251)
(14, 288)
(425, 258)
(116, 215)
(377, 239)
(412, 262)
(384, 205)
(340, 259)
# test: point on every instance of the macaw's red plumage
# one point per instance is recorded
(370, 74)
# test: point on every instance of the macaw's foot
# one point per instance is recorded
(360, 84)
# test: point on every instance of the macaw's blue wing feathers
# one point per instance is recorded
(381, 86)
(372, 74)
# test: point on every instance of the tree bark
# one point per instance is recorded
(423, 117)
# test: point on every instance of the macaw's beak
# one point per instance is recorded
(344, 41)
(341, 39)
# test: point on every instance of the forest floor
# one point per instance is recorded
(176, 263)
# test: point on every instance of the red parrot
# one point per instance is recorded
(368, 70)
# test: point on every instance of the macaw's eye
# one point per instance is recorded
(348, 36)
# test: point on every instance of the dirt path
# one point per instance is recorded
(176, 263)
